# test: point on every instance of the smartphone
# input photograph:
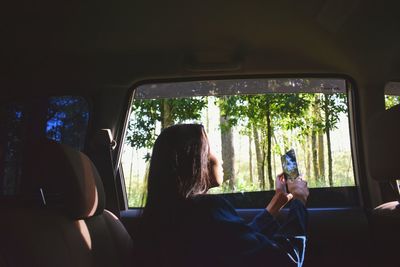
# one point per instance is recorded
(289, 165)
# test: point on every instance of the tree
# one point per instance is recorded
(13, 135)
(227, 147)
(166, 113)
(228, 152)
(321, 157)
(260, 158)
(391, 101)
(333, 106)
(251, 177)
(316, 132)
(148, 113)
(67, 119)
(261, 114)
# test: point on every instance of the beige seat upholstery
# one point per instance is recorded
(62, 221)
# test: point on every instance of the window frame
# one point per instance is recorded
(356, 196)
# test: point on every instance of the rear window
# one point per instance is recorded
(62, 119)
(250, 125)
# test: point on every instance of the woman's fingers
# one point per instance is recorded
(299, 189)
(278, 183)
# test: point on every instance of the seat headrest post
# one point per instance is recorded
(395, 188)
(43, 198)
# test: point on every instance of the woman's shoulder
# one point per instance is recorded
(210, 200)
(214, 205)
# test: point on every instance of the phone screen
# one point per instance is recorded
(289, 165)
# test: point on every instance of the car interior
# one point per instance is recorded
(88, 86)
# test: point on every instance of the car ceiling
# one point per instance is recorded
(92, 45)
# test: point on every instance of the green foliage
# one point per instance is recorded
(286, 110)
(333, 105)
(141, 129)
(137, 193)
(186, 108)
(290, 117)
(391, 101)
(148, 112)
(67, 119)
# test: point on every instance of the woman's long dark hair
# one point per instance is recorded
(178, 170)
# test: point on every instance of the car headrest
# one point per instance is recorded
(67, 179)
(384, 145)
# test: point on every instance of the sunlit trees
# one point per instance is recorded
(290, 114)
(333, 105)
(391, 101)
(148, 113)
(259, 115)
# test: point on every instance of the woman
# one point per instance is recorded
(183, 226)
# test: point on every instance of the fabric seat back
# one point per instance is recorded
(62, 221)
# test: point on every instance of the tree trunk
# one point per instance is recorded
(274, 164)
(304, 152)
(269, 147)
(166, 113)
(208, 115)
(251, 177)
(330, 176)
(259, 157)
(308, 156)
(130, 173)
(274, 154)
(228, 153)
(264, 157)
(328, 139)
(314, 150)
(321, 156)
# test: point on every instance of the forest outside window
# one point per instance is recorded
(392, 94)
(250, 124)
(63, 119)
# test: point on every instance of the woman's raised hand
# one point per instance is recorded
(280, 198)
(299, 189)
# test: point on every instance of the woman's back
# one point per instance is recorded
(207, 232)
(183, 226)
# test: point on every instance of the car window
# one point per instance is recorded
(392, 94)
(391, 101)
(62, 119)
(250, 125)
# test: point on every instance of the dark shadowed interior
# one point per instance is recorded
(69, 69)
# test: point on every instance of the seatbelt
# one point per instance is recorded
(100, 152)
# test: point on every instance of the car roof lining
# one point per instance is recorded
(91, 47)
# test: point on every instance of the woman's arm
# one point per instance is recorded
(283, 244)
(254, 244)
(265, 221)
(295, 223)
(264, 241)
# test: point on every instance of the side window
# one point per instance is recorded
(67, 120)
(63, 119)
(250, 124)
(392, 94)
(391, 101)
